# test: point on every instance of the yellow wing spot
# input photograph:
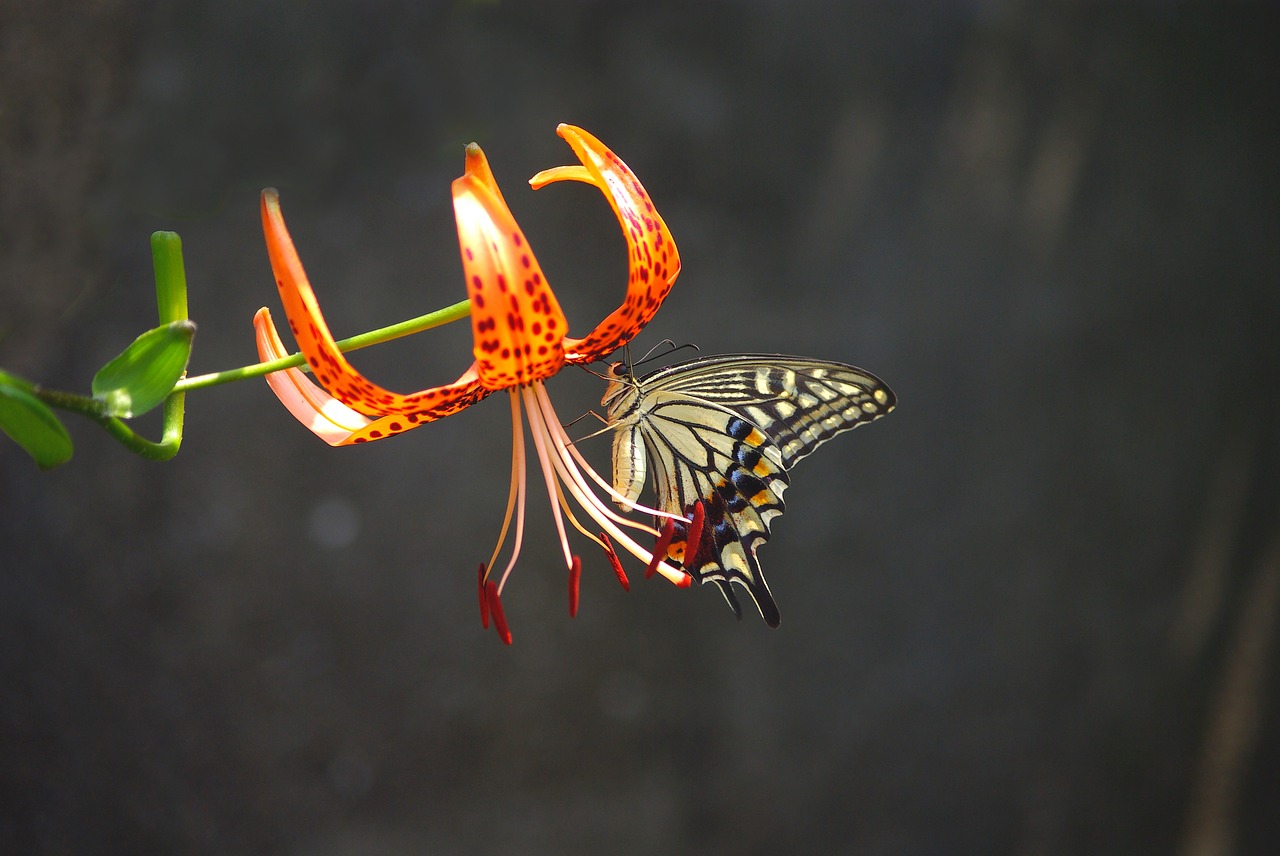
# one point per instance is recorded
(758, 416)
(881, 396)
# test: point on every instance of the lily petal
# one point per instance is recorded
(331, 368)
(328, 418)
(653, 260)
(516, 320)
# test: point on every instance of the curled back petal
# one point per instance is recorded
(333, 421)
(328, 364)
(516, 321)
(652, 260)
(328, 418)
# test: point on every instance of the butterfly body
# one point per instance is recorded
(722, 432)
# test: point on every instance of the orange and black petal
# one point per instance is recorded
(331, 369)
(652, 259)
(516, 321)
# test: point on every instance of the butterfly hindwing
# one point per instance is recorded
(735, 472)
(697, 451)
(722, 432)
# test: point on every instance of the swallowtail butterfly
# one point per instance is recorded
(722, 432)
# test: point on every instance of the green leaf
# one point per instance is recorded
(33, 427)
(144, 374)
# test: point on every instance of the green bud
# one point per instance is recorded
(171, 276)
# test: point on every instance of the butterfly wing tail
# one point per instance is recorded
(720, 556)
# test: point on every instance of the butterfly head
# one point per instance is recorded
(622, 386)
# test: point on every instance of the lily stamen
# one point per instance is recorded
(538, 429)
(516, 493)
(571, 475)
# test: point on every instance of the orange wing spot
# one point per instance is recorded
(755, 439)
(495, 255)
(763, 468)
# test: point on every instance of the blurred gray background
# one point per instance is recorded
(1031, 612)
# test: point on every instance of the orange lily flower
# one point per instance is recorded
(520, 340)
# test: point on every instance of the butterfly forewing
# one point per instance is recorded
(723, 431)
(800, 403)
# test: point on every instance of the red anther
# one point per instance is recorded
(694, 538)
(660, 547)
(575, 578)
(685, 581)
(613, 560)
(495, 607)
(484, 600)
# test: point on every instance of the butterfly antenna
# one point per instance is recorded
(672, 347)
(653, 352)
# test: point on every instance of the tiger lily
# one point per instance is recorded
(520, 340)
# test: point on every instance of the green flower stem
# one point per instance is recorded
(91, 408)
(171, 301)
(456, 312)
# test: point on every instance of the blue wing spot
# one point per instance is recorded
(747, 484)
(747, 456)
(726, 533)
(739, 428)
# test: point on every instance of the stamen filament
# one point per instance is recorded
(540, 439)
(562, 444)
(572, 448)
(541, 419)
(568, 510)
(517, 463)
(517, 466)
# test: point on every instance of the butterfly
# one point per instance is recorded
(719, 435)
